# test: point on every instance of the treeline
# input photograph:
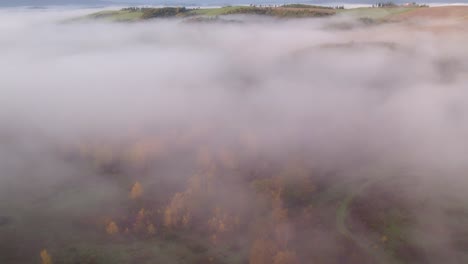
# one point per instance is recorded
(277, 11)
(386, 4)
(305, 6)
(148, 12)
(281, 12)
(392, 4)
(311, 6)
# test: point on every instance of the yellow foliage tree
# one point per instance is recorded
(219, 223)
(45, 257)
(176, 212)
(141, 215)
(112, 228)
(168, 222)
(137, 191)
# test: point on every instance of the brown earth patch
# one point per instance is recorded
(441, 12)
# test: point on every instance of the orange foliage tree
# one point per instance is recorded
(112, 228)
(45, 257)
(137, 191)
(177, 212)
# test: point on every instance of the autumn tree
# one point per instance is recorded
(137, 191)
(139, 223)
(45, 257)
(221, 223)
(279, 228)
(177, 212)
(112, 228)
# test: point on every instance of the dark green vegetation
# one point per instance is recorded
(132, 14)
(148, 13)
(305, 6)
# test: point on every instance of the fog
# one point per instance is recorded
(361, 101)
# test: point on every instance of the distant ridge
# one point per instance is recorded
(278, 2)
(43, 3)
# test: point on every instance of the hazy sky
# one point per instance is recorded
(193, 2)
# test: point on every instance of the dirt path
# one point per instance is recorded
(342, 213)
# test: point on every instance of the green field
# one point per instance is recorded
(117, 15)
(375, 13)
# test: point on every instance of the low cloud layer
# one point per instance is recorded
(378, 86)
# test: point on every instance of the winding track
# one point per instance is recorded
(342, 214)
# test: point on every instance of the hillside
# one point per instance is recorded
(397, 13)
(135, 14)
(441, 12)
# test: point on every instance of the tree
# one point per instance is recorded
(139, 224)
(112, 228)
(177, 212)
(137, 191)
(45, 257)
(168, 217)
(222, 224)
